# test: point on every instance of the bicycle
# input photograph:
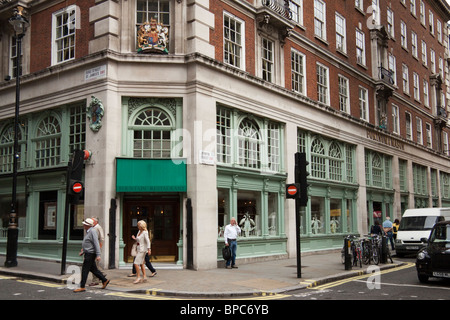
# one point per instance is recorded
(357, 252)
(376, 243)
(366, 253)
(355, 249)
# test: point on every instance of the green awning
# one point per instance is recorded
(150, 175)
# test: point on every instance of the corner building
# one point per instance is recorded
(193, 111)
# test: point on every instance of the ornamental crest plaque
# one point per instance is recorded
(152, 37)
(95, 112)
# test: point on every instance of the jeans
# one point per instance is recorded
(390, 236)
(233, 247)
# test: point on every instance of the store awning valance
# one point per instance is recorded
(150, 175)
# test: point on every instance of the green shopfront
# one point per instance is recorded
(152, 190)
(151, 176)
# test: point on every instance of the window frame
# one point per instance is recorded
(55, 51)
(240, 45)
(363, 103)
(297, 73)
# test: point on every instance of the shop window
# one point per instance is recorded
(249, 213)
(349, 216)
(48, 203)
(223, 203)
(76, 224)
(335, 215)
(5, 210)
(317, 215)
(273, 214)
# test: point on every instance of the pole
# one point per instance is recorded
(112, 234)
(66, 221)
(13, 231)
(297, 216)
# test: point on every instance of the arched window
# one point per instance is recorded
(377, 170)
(336, 162)
(48, 142)
(318, 161)
(7, 148)
(249, 144)
(152, 134)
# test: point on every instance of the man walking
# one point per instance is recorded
(101, 238)
(231, 233)
(91, 250)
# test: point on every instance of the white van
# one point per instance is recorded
(415, 225)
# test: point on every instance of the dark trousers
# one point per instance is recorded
(90, 265)
(147, 263)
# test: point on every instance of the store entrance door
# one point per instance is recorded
(162, 218)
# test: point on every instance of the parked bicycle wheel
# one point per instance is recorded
(376, 254)
(366, 252)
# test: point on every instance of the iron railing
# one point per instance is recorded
(279, 6)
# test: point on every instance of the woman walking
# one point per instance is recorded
(143, 248)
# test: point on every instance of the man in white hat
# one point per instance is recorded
(91, 250)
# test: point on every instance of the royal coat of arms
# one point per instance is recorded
(153, 37)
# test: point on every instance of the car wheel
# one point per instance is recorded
(423, 278)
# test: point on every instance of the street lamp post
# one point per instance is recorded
(20, 24)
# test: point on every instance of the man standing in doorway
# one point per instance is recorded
(231, 233)
(91, 250)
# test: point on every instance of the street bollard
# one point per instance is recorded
(383, 258)
(347, 253)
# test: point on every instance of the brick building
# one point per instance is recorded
(198, 106)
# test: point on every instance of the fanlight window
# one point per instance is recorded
(152, 134)
(249, 144)
(48, 143)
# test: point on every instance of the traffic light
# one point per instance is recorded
(301, 177)
(75, 186)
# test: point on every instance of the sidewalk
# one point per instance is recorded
(253, 279)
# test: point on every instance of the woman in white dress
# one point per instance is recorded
(143, 247)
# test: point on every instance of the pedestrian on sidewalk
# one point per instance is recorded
(90, 248)
(101, 238)
(387, 228)
(143, 248)
(231, 233)
(395, 227)
(376, 229)
(148, 264)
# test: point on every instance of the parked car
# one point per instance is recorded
(434, 259)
